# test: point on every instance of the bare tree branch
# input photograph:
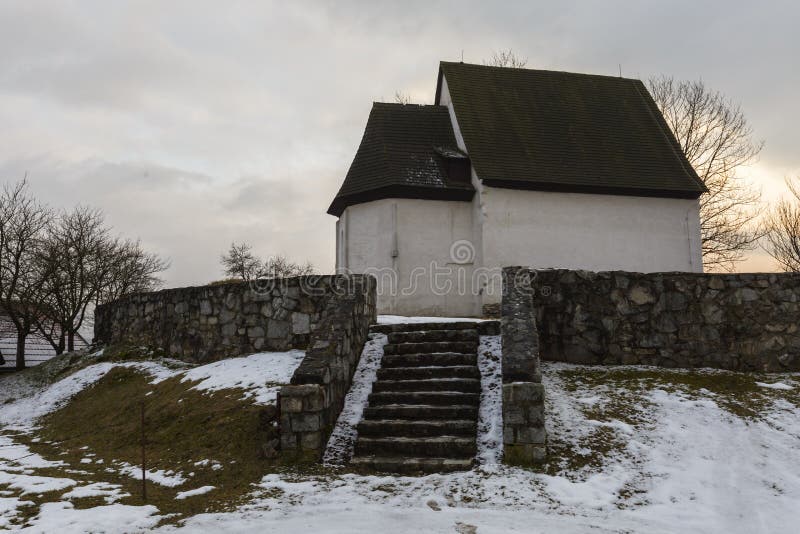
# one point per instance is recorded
(402, 98)
(783, 225)
(23, 221)
(87, 266)
(240, 263)
(506, 58)
(717, 140)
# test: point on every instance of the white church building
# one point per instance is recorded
(513, 167)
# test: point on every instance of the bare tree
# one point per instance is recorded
(717, 140)
(133, 270)
(280, 267)
(87, 266)
(783, 229)
(240, 263)
(506, 58)
(402, 98)
(23, 221)
(77, 251)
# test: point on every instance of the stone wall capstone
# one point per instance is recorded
(207, 323)
(524, 437)
(310, 405)
(743, 322)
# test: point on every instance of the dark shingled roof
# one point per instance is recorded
(402, 155)
(546, 130)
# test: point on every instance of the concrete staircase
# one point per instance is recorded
(423, 411)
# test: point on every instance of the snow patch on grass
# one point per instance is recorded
(111, 493)
(191, 493)
(40, 400)
(32, 484)
(775, 385)
(162, 477)
(64, 518)
(260, 375)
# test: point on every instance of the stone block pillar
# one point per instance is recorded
(303, 420)
(524, 438)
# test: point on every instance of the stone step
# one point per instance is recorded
(421, 412)
(484, 328)
(435, 398)
(423, 327)
(438, 359)
(411, 428)
(423, 372)
(464, 347)
(429, 336)
(465, 385)
(438, 446)
(405, 465)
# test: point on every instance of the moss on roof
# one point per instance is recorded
(537, 129)
(400, 156)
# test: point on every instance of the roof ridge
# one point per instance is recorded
(549, 71)
(409, 107)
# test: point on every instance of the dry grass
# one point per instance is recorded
(182, 427)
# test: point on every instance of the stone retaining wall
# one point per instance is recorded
(310, 405)
(744, 322)
(201, 324)
(523, 393)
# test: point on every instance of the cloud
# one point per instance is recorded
(193, 124)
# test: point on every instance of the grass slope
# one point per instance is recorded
(182, 427)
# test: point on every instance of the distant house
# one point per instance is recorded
(513, 167)
(37, 348)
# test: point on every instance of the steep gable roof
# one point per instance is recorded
(547, 130)
(402, 155)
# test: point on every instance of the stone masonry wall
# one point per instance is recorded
(524, 435)
(201, 324)
(310, 405)
(744, 322)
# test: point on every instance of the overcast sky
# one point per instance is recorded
(193, 124)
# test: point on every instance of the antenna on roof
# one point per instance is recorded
(620, 70)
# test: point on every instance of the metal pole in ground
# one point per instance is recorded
(144, 467)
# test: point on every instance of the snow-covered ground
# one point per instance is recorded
(259, 375)
(628, 454)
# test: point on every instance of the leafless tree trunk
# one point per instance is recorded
(506, 58)
(74, 252)
(717, 141)
(783, 226)
(23, 221)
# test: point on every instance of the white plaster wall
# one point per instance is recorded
(421, 278)
(586, 231)
(507, 227)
